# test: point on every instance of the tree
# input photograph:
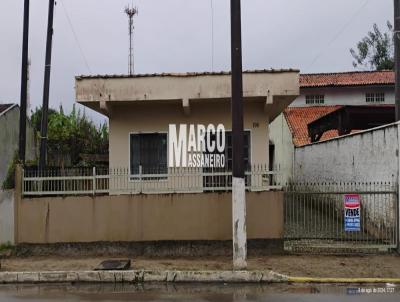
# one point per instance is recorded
(72, 135)
(376, 50)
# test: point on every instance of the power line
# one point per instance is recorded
(75, 37)
(339, 33)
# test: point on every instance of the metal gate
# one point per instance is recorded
(316, 221)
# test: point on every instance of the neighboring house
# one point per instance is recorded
(322, 95)
(348, 119)
(346, 88)
(9, 136)
(140, 109)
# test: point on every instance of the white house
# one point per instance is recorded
(347, 88)
(320, 95)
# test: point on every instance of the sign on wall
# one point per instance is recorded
(352, 213)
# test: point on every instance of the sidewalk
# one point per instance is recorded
(382, 266)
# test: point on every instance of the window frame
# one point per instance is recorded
(375, 97)
(209, 181)
(132, 177)
(315, 99)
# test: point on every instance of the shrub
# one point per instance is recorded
(9, 181)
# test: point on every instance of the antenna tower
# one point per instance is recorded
(131, 11)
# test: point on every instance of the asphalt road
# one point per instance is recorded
(217, 293)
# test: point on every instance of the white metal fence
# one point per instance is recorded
(315, 216)
(116, 181)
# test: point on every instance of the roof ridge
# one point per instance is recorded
(319, 106)
(188, 74)
(347, 72)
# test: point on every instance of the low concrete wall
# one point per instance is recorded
(371, 155)
(6, 217)
(368, 156)
(140, 218)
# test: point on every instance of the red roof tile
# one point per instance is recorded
(357, 78)
(299, 117)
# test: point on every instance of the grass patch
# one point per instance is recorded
(5, 247)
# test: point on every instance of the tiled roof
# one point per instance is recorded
(354, 78)
(5, 107)
(299, 117)
(358, 78)
(186, 74)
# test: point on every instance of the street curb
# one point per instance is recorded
(342, 280)
(142, 276)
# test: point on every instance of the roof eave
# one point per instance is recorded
(8, 109)
(343, 86)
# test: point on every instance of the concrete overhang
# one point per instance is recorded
(275, 88)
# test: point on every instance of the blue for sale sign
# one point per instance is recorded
(352, 213)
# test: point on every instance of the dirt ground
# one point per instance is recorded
(299, 266)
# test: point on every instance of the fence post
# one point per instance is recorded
(94, 180)
(140, 179)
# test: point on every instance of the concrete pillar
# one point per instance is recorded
(239, 223)
(17, 199)
(186, 106)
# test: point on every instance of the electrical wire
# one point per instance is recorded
(75, 36)
(339, 33)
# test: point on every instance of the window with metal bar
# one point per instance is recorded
(224, 180)
(376, 97)
(313, 99)
(148, 151)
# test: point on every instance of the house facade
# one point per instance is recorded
(321, 95)
(141, 109)
(141, 198)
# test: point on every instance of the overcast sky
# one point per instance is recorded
(175, 36)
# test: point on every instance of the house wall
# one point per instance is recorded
(177, 217)
(281, 137)
(9, 137)
(370, 155)
(152, 117)
(344, 95)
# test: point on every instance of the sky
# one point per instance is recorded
(91, 37)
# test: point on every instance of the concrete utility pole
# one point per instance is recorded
(24, 85)
(397, 54)
(46, 88)
(238, 181)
